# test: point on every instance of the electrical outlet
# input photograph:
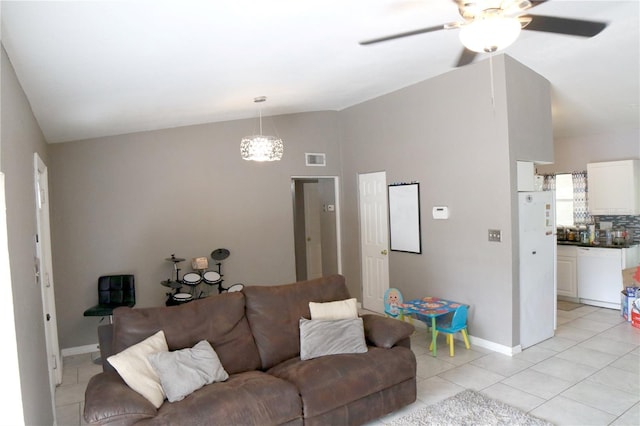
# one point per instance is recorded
(495, 235)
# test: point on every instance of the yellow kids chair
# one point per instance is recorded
(458, 322)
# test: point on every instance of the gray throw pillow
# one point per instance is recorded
(187, 370)
(331, 337)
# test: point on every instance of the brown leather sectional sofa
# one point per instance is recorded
(255, 333)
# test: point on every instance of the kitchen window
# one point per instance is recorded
(564, 200)
(571, 197)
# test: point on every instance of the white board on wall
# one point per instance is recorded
(404, 217)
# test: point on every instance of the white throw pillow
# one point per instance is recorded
(184, 371)
(331, 337)
(134, 367)
(341, 309)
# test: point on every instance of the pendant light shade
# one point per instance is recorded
(260, 147)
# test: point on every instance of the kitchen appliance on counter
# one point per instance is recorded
(537, 251)
(620, 237)
(572, 233)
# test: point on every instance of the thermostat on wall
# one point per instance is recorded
(440, 212)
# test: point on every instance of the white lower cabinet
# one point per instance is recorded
(567, 272)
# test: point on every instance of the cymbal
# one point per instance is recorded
(174, 259)
(220, 254)
(172, 284)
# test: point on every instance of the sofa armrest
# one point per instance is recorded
(108, 400)
(385, 332)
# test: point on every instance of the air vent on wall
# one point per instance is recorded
(315, 159)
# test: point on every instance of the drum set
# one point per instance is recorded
(200, 274)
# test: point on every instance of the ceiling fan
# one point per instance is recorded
(492, 25)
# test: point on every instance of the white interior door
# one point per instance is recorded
(313, 230)
(44, 275)
(374, 238)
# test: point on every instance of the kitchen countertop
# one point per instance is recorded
(578, 244)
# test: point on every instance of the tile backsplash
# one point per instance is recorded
(630, 223)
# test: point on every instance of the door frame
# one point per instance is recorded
(44, 272)
(336, 190)
(12, 406)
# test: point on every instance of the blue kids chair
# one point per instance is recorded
(450, 325)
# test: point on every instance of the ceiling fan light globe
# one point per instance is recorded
(490, 34)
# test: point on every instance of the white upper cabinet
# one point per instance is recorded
(614, 187)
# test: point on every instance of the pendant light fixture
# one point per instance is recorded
(259, 147)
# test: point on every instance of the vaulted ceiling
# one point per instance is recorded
(96, 68)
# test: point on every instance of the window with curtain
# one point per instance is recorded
(571, 197)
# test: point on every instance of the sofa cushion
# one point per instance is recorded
(333, 381)
(250, 398)
(325, 337)
(274, 312)
(183, 371)
(135, 369)
(218, 319)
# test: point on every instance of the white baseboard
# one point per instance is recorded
(496, 347)
(79, 350)
(476, 341)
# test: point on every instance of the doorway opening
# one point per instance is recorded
(316, 226)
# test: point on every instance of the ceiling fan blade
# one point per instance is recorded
(535, 3)
(577, 27)
(400, 35)
(466, 57)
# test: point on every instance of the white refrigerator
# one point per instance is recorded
(537, 229)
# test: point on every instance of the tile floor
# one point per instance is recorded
(588, 374)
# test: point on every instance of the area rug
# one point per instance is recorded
(469, 408)
(563, 305)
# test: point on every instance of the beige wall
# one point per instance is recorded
(573, 154)
(447, 134)
(123, 204)
(21, 137)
